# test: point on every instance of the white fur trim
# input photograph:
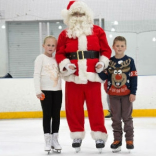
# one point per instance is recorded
(93, 77)
(77, 135)
(82, 70)
(99, 135)
(62, 65)
(64, 13)
(105, 60)
(82, 42)
(69, 71)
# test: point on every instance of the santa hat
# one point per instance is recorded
(76, 6)
(70, 3)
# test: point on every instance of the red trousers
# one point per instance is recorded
(75, 96)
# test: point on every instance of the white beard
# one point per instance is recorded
(79, 26)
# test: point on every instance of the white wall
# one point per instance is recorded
(139, 46)
(18, 95)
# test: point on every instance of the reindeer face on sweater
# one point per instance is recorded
(119, 77)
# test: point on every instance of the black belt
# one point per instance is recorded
(82, 55)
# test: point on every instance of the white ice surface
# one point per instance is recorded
(24, 137)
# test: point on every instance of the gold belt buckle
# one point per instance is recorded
(78, 54)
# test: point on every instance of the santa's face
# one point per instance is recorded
(76, 19)
(78, 24)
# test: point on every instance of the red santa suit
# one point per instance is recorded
(83, 85)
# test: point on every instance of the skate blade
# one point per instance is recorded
(77, 149)
(100, 150)
(130, 150)
(48, 151)
(117, 150)
(56, 150)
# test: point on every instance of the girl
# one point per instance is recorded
(48, 89)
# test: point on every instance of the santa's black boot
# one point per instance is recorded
(100, 144)
(77, 144)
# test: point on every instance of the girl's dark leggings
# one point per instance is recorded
(51, 107)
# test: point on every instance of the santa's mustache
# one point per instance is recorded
(77, 21)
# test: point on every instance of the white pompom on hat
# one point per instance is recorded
(76, 6)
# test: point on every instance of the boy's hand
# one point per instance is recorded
(132, 98)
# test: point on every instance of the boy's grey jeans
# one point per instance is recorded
(121, 109)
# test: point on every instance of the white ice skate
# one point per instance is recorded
(77, 144)
(47, 138)
(55, 144)
(100, 144)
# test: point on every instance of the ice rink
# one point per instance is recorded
(24, 137)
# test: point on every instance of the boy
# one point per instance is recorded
(121, 88)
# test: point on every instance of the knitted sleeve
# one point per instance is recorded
(103, 75)
(133, 78)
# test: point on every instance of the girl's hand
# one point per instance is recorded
(132, 98)
(41, 96)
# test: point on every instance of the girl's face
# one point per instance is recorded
(49, 46)
(119, 48)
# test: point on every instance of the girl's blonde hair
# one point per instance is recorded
(44, 41)
(119, 38)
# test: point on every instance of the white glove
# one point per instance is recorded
(69, 71)
(100, 69)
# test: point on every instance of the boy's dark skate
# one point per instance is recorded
(116, 146)
(129, 145)
(100, 144)
(77, 144)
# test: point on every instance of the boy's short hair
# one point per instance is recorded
(49, 37)
(119, 38)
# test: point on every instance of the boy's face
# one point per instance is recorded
(119, 47)
(49, 46)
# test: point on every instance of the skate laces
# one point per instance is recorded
(76, 140)
(116, 142)
(99, 141)
(129, 142)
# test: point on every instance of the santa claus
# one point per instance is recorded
(82, 52)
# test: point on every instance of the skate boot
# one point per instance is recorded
(100, 144)
(47, 138)
(55, 144)
(77, 144)
(129, 145)
(116, 146)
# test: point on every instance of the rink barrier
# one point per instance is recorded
(38, 114)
